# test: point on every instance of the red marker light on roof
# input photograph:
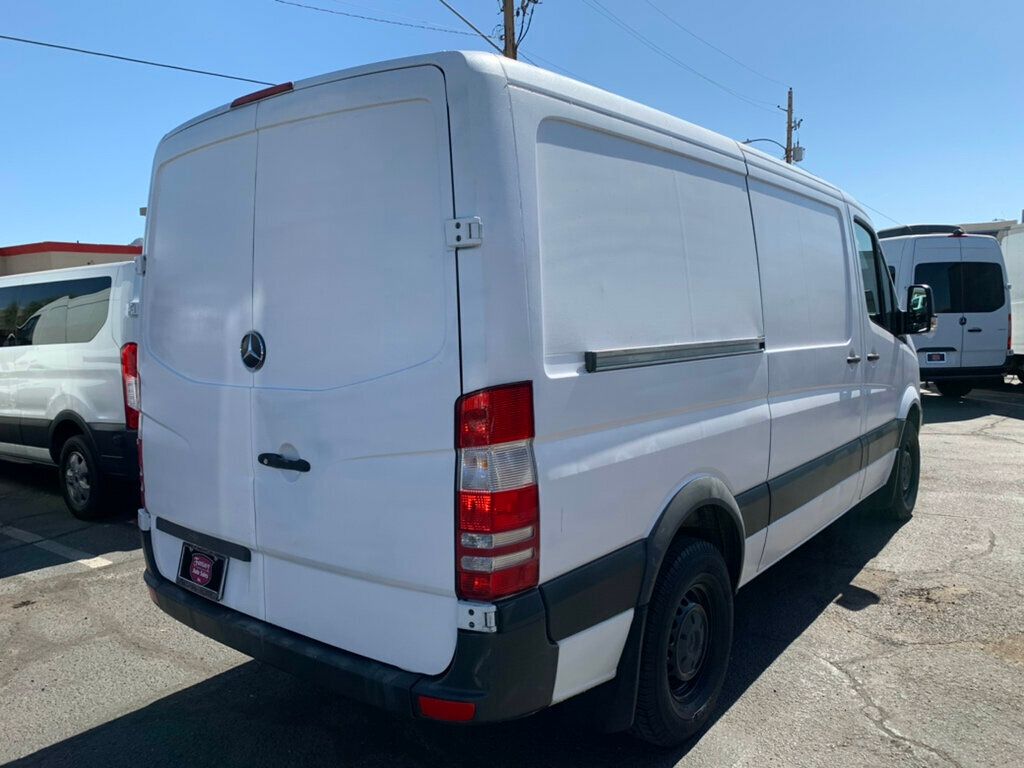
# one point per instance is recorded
(266, 93)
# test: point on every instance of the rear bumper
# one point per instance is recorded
(506, 674)
(946, 374)
(116, 449)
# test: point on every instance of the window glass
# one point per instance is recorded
(61, 311)
(873, 296)
(944, 279)
(87, 309)
(8, 315)
(983, 287)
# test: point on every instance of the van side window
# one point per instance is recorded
(878, 292)
(58, 312)
(8, 315)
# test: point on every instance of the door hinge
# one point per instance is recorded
(478, 617)
(464, 233)
(140, 264)
(133, 308)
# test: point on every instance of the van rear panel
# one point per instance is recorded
(326, 236)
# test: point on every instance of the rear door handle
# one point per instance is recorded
(873, 357)
(853, 358)
(277, 461)
(974, 330)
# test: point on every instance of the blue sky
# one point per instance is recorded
(912, 106)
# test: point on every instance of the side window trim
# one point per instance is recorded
(886, 294)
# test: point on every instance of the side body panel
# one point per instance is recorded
(814, 344)
(72, 363)
(631, 238)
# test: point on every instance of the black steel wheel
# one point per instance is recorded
(905, 478)
(686, 646)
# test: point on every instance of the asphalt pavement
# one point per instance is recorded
(875, 644)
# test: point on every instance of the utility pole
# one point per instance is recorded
(510, 30)
(789, 127)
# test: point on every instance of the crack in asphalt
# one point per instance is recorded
(878, 716)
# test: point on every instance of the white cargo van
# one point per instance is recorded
(1013, 250)
(971, 340)
(468, 388)
(68, 378)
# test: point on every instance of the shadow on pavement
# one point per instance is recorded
(37, 531)
(1006, 400)
(254, 715)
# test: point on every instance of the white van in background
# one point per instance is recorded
(971, 341)
(1013, 251)
(468, 388)
(68, 380)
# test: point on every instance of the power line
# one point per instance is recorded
(711, 45)
(596, 6)
(424, 25)
(472, 26)
(883, 215)
(419, 24)
(133, 61)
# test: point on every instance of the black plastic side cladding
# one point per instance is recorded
(594, 592)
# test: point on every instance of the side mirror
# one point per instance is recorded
(920, 315)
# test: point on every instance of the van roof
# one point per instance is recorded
(47, 275)
(470, 64)
(934, 236)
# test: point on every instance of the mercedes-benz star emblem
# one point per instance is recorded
(254, 351)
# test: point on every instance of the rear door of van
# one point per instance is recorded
(354, 293)
(986, 310)
(196, 305)
(315, 219)
(937, 264)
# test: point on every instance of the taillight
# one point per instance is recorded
(130, 382)
(497, 547)
(1009, 333)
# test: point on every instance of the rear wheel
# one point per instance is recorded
(953, 388)
(686, 646)
(80, 480)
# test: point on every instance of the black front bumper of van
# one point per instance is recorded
(506, 674)
(936, 373)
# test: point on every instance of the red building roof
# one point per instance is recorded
(51, 246)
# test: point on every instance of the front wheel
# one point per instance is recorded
(906, 474)
(686, 646)
(80, 479)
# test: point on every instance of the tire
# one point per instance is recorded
(680, 683)
(905, 478)
(80, 481)
(953, 388)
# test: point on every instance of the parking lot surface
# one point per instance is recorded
(874, 644)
